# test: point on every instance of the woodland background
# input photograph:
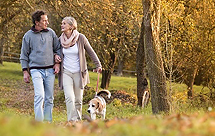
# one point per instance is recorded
(182, 36)
(165, 46)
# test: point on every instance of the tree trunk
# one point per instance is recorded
(106, 74)
(120, 67)
(1, 50)
(155, 67)
(142, 83)
(190, 82)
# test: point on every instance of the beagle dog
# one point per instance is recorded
(98, 105)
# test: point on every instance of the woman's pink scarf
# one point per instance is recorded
(65, 42)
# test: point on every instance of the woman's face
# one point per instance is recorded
(65, 26)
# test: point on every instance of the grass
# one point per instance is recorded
(12, 71)
(117, 83)
(124, 118)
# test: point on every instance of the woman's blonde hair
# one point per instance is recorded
(71, 21)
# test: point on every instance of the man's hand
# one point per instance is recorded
(57, 59)
(56, 68)
(26, 76)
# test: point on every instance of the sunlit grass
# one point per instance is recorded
(150, 125)
(21, 126)
(14, 71)
(11, 71)
(127, 84)
(125, 118)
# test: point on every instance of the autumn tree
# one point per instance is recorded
(154, 60)
(111, 27)
(12, 20)
(190, 39)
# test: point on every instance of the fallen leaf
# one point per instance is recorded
(212, 127)
(212, 114)
(111, 123)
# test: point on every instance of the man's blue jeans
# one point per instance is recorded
(43, 80)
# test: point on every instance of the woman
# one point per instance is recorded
(74, 75)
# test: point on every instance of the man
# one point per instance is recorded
(39, 45)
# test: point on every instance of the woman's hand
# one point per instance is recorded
(98, 70)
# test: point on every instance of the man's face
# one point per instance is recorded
(43, 23)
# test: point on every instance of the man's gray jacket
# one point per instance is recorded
(38, 49)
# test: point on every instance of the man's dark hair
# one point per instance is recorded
(37, 16)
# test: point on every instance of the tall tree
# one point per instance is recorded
(155, 67)
(142, 83)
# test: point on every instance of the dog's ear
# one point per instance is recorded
(100, 107)
(98, 104)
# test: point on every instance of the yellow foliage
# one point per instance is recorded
(117, 102)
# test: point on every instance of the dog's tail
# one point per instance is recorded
(104, 92)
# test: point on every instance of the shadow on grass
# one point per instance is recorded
(9, 73)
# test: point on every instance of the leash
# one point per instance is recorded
(97, 83)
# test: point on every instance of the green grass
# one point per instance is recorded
(17, 116)
(117, 83)
(11, 71)
(13, 125)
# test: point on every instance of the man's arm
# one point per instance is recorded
(57, 45)
(24, 59)
(24, 56)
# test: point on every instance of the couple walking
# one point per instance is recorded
(43, 55)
